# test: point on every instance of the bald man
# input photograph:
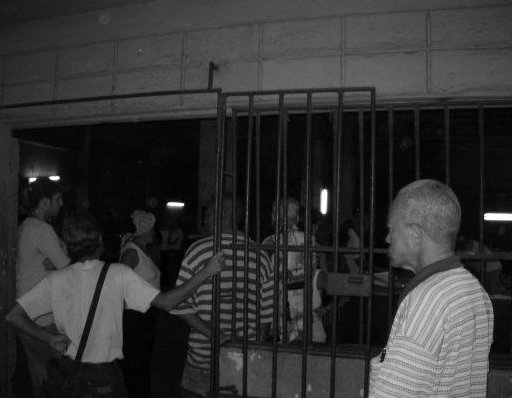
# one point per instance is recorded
(442, 332)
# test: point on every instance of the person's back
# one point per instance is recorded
(458, 305)
(70, 295)
(37, 241)
(67, 294)
(201, 300)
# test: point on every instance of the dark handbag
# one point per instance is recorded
(61, 373)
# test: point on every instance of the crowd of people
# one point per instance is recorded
(438, 344)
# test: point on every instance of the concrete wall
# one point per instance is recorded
(405, 48)
(349, 375)
(9, 166)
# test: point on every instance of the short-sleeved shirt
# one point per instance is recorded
(68, 293)
(200, 302)
(37, 241)
(439, 343)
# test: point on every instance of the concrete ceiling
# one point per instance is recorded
(16, 11)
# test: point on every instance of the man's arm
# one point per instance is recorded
(167, 301)
(50, 246)
(406, 370)
(18, 317)
(203, 327)
(130, 258)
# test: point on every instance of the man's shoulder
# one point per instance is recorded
(200, 245)
(449, 288)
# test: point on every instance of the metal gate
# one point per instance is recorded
(244, 120)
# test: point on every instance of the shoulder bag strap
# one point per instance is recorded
(90, 315)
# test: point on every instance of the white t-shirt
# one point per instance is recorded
(146, 268)
(37, 241)
(68, 293)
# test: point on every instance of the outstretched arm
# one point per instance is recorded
(203, 327)
(167, 301)
(18, 317)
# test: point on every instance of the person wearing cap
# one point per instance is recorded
(442, 332)
(39, 251)
(139, 327)
(296, 275)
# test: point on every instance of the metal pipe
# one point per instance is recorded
(391, 160)
(110, 98)
(246, 244)
(276, 245)
(212, 67)
(482, 189)
(234, 227)
(257, 154)
(306, 308)
(447, 144)
(338, 138)
(219, 188)
(371, 242)
(417, 153)
(361, 215)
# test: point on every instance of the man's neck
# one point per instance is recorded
(435, 256)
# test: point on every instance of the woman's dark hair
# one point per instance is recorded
(81, 233)
(38, 190)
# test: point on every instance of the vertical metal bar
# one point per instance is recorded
(447, 144)
(257, 153)
(361, 215)
(481, 143)
(276, 245)
(391, 159)
(246, 245)
(336, 238)
(234, 227)
(219, 188)
(417, 142)
(284, 240)
(306, 298)
(371, 243)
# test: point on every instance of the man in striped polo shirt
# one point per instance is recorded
(197, 310)
(442, 332)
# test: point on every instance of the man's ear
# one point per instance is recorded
(44, 203)
(415, 233)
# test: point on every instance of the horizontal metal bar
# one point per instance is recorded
(109, 98)
(353, 285)
(300, 91)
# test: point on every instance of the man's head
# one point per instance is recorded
(227, 212)
(81, 233)
(293, 213)
(423, 224)
(44, 198)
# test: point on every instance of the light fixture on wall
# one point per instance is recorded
(324, 198)
(175, 205)
(498, 217)
(54, 178)
(32, 179)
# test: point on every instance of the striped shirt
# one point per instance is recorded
(201, 301)
(439, 342)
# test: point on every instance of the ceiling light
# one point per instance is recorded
(324, 195)
(175, 205)
(498, 216)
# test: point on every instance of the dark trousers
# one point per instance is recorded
(138, 337)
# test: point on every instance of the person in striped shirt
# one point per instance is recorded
(442, 332)
(197, 310)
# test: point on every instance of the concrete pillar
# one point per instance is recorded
(9, 169)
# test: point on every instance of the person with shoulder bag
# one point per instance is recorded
(86, 300)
